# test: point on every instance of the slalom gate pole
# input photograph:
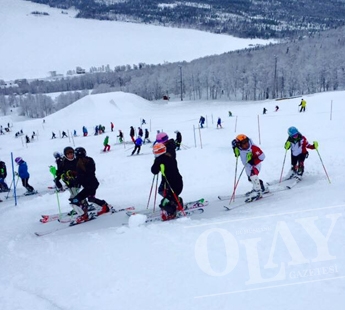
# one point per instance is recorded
(155, 199)
(235, 187)
(324, 168)
(148, 202)
(58, 201)
(281, 174)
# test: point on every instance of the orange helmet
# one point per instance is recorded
(159, 149)
(241, 138)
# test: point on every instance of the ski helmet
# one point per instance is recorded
(292, 131)
(241, 139)
(80, 152)
(159, 149)
(68, 149)
(57, 155)
(18, 160)
(162, 137)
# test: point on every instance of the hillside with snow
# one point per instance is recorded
(285, 251)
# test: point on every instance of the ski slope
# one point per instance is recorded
(285, 251)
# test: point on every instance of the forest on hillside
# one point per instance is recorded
(241, 18)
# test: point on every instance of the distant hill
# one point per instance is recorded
(243, 18)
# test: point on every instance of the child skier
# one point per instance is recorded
(251, 156)
(170, 145)
(120, 136)
(298, 145)
(178, 140)
(219, 123)
(86, 177)
(24, 175)
(106, 144)
(171, 185)
(138, 144)
(3, 175)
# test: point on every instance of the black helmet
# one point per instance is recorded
(80, 152)
(67, 150)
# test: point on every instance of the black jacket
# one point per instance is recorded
(86, 172)
(171, 172)
(171, 147)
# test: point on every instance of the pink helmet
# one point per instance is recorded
(162, 137)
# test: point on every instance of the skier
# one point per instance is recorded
(140, 132)
(303, 105)
(264, 111)
(170, 145)
(27, 139)
(64, 134)
(178, 140)
(171, 185)
(111, 126)
(24, 175)
(202, 121)
(298, 145)
(106, 144)
(120, 136)
(86, 177)
(277, 108)
(143, 122)
(138, 144)
(146, 138)
(251, 157)
(230, 113)
(3, 175)
(131, 133)
(84, 131)
(96, 130)
(219, 123)
(67, 171)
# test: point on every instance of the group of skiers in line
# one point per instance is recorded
(219, 121)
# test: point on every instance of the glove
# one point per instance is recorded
(236, 152)
(249, 157)
(162, 168)
(52, 170)
(316, 144)
(287, 145)
(234, 143)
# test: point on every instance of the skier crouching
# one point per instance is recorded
(251, 156)
(86, 177)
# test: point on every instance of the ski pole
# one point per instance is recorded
(281, 174)
(235, 174)
(155, 199)
(148, 202)
(179, 207)
(324, 168)
(235, 187)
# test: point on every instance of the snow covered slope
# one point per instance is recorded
(285, 251)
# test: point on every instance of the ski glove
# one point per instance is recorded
(250, 158)
(162, 168)
(287, 145)
(316, 144)
(52, 170)
(234, 143)
(236, 152)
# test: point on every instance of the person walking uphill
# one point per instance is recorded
(303, 105)
(86, 177)
(251, 156)
(171, 185)
(106, 144)
(298, 145)
(24, 175)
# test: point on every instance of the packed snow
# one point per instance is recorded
(285, 251)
